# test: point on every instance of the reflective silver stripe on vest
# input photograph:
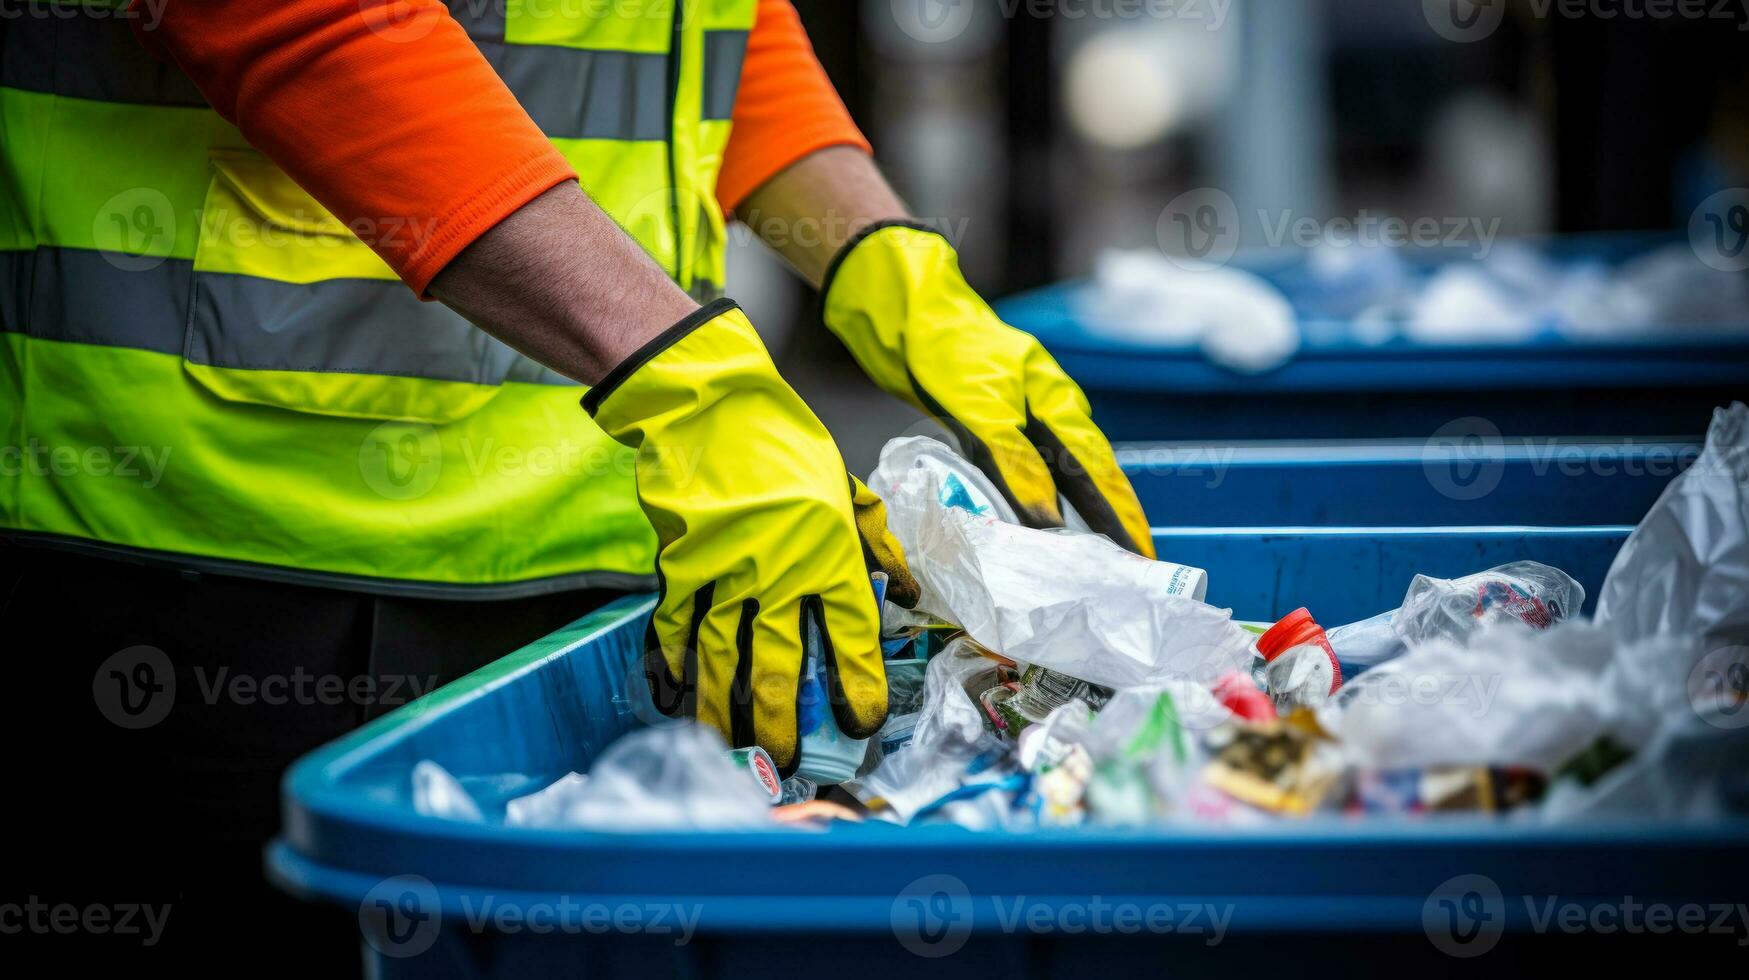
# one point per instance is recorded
(356, 326)
(570, 93)
(724, 54)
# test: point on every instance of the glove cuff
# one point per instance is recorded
(668, 338)
(874, 231)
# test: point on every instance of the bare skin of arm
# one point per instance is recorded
(560, 282)
(809, 211)
(523, 283)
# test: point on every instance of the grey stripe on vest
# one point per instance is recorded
(570, 93)
(482, 19)
(62, 52)
(351, 326)
(574, 94)
(358, 326)
(724, 53)
(87, 297)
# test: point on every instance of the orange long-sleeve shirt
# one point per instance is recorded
(384, 109)
(786, 108)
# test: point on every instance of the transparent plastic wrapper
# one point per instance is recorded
(1529, 592)
(1145, 750)
(1688, 773)
(1512, 697)
(948, 737)
(438, 794)
(670, 777)
(1685, 569)
(1685, 720)
(1070, 601)
(905, 688)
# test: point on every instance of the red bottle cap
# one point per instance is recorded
(1295, 629)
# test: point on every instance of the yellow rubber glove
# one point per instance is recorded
(896, 297)
(757, 524)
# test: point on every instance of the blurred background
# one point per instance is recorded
(1043, 135)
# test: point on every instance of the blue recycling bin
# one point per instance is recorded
(1539, 482)
(1330, 896)
(1341, 386)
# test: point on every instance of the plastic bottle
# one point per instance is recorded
(1364, 645)
(828, 756)
(1302, 667)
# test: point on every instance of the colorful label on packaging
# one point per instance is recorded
(1501, 596)
(764, 771)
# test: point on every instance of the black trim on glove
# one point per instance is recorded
(668, 338)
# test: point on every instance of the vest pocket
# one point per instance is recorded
(290, 309)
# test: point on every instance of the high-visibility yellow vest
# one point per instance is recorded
(199, 362)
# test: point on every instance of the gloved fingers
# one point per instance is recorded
(724, 641)
(989, 432)
(771, 665)
(856, 675)
(1013, 464)
(1081, 461)
(881, 551)
(671, 650)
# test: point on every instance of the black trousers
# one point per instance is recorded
(149, 714)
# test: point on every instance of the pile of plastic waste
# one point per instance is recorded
(1108, 693)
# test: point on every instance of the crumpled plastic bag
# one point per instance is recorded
(1513, 697)
(1685, 569)
(669, 777)
(436, 793)
(1688, 718)
(1535, 594)
(949, 736)
(1071, 601)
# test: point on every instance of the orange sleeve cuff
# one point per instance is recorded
(786, 108)
(383, 110)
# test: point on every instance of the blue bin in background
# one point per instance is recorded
(1544, 482)
(1340, 386)
(1321, 897)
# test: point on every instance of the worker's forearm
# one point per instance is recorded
(811, 210)
(563, 284)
